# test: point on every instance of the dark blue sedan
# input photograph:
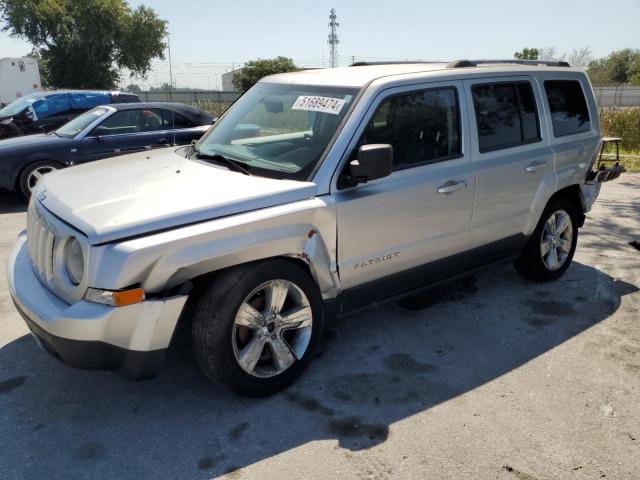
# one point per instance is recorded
(103, 132)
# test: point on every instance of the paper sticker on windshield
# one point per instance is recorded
(319, 104)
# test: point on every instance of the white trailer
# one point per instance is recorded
(18, 77)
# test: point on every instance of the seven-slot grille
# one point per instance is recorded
(40, 242)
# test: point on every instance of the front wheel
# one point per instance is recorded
(550, 249)
(256, 326)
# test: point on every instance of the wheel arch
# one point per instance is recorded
(195, 287)
(573, 194)
(196, 283)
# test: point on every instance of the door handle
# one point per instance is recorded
(535, 166)
(452, 186)
(161, 141)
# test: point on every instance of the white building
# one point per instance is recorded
(227, 80)
(18, 77)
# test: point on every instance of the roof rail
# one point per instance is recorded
(475, 63)
(400, 62)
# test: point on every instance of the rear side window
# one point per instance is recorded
(175, 120)
(423, 127)
(132, 121)
(568, 107)
(506, 115)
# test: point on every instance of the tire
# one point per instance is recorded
(31, 174)
(235, 339)
(533, 263)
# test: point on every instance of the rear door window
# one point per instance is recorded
(174, 120)
(506, 115)
(568, 107)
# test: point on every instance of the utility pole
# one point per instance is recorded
(170, 67)
(333, 39)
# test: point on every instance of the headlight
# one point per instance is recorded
(74, 261)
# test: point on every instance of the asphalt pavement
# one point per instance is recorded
(489, 377)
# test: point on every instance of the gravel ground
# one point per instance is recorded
(491, 377)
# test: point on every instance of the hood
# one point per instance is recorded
(31, 142)
(141, 193)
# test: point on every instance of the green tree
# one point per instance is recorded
(254, 70)
(634, 71)
(620, 67)
(133, 88)
(527, 54)
(84, 43)
(165, 87)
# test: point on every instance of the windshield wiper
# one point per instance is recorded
(231, 164)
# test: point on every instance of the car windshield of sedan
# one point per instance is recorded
(17, 106)
(278, 130)
(78, 124)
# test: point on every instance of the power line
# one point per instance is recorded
(333, 38)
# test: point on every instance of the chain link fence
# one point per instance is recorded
(617, 96)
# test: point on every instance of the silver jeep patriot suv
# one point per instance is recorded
(317, 192)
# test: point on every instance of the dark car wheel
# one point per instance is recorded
(550, 249)
(32, 173)
(256, 326)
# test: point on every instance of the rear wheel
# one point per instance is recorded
(550, 249)
(32, 174)
(256, 326)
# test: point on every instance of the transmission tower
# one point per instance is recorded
(333, 38)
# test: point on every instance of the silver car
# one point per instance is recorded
(318, 192)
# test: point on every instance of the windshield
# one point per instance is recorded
(78, 124)
(17, 106)
(279, 130)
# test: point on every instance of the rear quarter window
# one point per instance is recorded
(568, 107)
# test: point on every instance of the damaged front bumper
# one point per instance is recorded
(132, 339)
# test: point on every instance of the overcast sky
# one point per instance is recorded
(209, 38)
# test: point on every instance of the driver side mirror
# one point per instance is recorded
(100, 132)
(374, 161)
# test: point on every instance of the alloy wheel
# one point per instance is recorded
(272, 328)
(557, 239)
(36, 175)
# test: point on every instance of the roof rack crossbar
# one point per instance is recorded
(475, 63)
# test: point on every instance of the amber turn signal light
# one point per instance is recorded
(118, 298)
(128, 297)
